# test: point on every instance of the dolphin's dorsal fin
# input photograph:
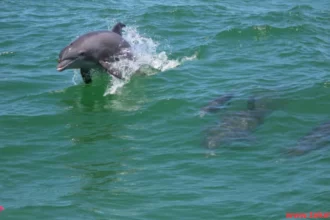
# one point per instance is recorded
(118, 28)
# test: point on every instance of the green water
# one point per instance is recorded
(69, 151)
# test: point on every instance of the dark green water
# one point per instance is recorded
(134, 150)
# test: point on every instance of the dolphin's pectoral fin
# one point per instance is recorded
(110, 69)
(86, 75)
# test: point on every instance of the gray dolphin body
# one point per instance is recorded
(317, 138)
(236, 126)
(98, 49)
(216, 104)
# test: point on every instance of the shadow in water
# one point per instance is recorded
(95, 176)
(87, 97)
(89, 117)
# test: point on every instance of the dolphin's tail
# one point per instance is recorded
(118, 28)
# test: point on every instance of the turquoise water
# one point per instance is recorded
(134, 150)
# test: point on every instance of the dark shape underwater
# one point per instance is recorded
(215, 105)
(237, 126)
(317, 138)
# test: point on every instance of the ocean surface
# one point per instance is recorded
(135, 149)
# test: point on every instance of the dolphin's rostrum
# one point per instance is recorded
(94, 50)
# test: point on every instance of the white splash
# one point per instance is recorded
(146, 60)
(76, 77)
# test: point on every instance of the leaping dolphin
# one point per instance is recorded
(98, 49)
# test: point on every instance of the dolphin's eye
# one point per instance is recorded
(82, 54)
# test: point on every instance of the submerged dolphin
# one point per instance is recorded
(94, 50)
(317, 138)
(216, 104)
(236, 126)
